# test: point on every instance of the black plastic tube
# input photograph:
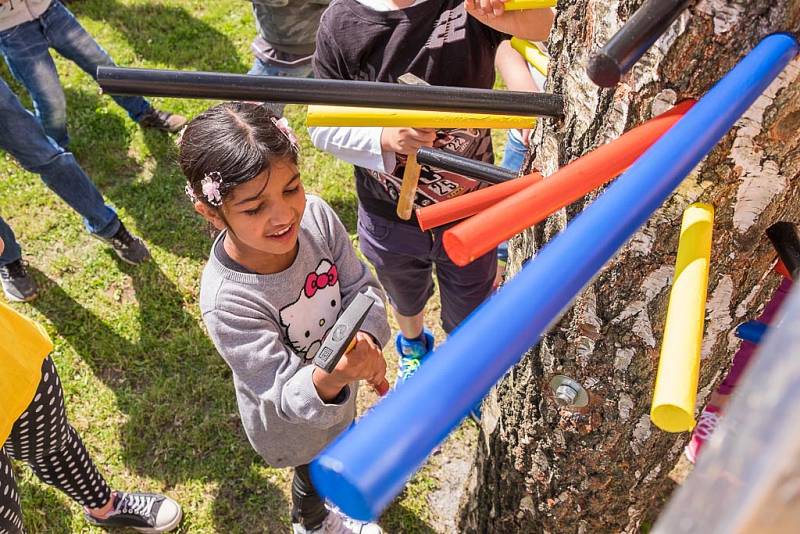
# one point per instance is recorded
(224, 86)
(785, 237)
(629, 44)
(448, 161)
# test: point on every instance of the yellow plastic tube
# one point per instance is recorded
(532, 54)
(319, 115)
(676, 383)
(514, 5)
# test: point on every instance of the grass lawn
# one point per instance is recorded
(145, 388)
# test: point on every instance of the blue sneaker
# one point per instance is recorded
(412, 353)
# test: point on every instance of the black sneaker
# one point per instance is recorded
(162, 120)
(18, 285)
(145, 512)
(128, 247)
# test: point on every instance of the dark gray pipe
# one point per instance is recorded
(448, 161)
(223, 86)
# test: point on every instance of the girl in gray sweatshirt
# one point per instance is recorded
(279, 273)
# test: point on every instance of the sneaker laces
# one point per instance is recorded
(122, 239)
(410, 365)
(707, 424)
(13, 270)
(136, 503)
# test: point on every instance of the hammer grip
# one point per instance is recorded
(405, 204)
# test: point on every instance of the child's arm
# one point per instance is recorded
(516, 74)
(531, 24)
(252, 345)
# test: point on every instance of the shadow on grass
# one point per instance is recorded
(182, 423)
(153, 197)
(36, 498)
(166, 34)
(399, 519)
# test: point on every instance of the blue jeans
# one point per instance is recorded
(22, 136)
(26, 49)
(260, 68)
(513, 158)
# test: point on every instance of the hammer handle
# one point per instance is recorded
(405, 204)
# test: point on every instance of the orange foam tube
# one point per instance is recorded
(781, 269)
(479, 234)
(467, 205)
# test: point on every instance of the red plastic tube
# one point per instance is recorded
(481, 233)
(468, 205)
(781, 269)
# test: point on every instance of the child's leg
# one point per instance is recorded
(27, 54)
(400, 254)
(308, 508)
(44, 439)
(462, 289)
(10, 511)
(71, 40)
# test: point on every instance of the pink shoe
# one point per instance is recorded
(708, 421)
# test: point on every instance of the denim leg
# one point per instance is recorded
(260, 68)
(27, 54)
(12, 251)
(514, 154)
(22, 136)
(71, 40)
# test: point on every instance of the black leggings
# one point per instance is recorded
(43, 439)
(308, 508)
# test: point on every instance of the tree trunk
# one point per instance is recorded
(539, 468)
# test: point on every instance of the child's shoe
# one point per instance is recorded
(128, 247)
(706, 424)
(412, 352)
(18, 284)
(144, 512)
(338, 523)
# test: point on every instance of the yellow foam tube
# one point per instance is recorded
(678, 369)
(319, 115)
(515, 5)
(532, 54)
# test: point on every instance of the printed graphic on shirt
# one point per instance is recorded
(436, 185)
(450, 27)
(308, 319)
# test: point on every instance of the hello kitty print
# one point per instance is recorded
(308, 319)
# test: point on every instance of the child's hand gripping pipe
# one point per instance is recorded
(341, 339)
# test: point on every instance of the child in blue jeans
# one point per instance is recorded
(22, 136)
(28, 30)
(277, 278)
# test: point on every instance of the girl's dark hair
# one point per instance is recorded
(238, 140)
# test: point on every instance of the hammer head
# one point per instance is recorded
(337, 342)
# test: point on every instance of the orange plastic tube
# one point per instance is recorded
(479, 234)
(467, 205)
(780, 268)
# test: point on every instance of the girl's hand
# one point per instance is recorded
(406, 140)
(531, 24)
(364, 362)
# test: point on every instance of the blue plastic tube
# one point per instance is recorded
(751, 331)
(365, 468)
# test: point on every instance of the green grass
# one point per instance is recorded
(145, 388)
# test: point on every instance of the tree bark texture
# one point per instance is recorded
(604, 469)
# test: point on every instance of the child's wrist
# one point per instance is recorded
(328, 388)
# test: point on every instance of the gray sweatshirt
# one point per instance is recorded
(269, 327)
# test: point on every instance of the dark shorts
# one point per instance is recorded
(404, 256)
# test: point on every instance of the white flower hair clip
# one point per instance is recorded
(283, 125)
(210, 184)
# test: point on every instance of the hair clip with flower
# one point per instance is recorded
(210, 187)
(283, 125)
